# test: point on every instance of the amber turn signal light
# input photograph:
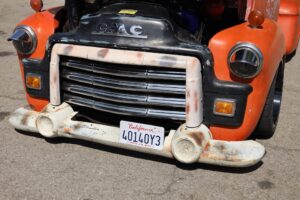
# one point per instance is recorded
(224, 107)
(33, 81)
(256, 18)
(36, 5)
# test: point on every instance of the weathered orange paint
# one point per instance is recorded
(43, 31)
(270, 40)
(289, 20)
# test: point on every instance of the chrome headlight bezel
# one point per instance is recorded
(21, 36)
(247, 54)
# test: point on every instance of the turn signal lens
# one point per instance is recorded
(224, 107)
(33, 81)
(256, 18)
(36, 5)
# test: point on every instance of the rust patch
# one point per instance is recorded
(54, 79)
(56, 109)
(196, 101)
(6, 53)
(25, 119)
(77, 126)
(195, 62)
(168, 61)
(188, 94)
(197, 136)
(220, 148)
(139, 55)
(181, 129)
(68, 49)
(67, 130)
(3, 115)
(187, 109)
(207, 147)
(232, 158)
(103, 52)
(220, 157)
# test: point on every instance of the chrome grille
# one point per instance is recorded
(140, 91)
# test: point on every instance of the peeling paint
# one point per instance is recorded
(68, 49)
(197, 136)
(103, 52)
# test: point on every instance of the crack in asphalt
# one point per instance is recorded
(6, 53)
(3, 115)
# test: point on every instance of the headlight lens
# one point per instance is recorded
(24, 39)
(245, 60)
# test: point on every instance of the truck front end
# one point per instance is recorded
(134, 75)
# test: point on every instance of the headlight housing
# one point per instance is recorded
(24, 40)
(245, 60)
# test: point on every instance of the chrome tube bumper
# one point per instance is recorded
(188, 145)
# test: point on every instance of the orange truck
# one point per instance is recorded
(184, 79)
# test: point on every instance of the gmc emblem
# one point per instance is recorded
(134, 31)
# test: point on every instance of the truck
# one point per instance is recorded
(191, 80)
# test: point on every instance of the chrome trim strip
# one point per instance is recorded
(141, 99)
(122, 84)
(125, 110)
(125, 71)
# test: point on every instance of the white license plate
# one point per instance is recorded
(142, 135)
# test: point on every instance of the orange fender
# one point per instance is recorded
(270, 40)
(44, 25)
(289, 20)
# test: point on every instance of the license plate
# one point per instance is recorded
(142, 135)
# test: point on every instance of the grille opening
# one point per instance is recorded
(99, 117)
(107, 93)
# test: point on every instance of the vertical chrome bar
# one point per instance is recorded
(194, 93)
(55, 99)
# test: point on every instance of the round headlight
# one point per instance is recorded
(245, 60)
(24, 39)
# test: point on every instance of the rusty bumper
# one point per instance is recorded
(187, 145)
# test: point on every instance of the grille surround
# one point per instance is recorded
(192, 65)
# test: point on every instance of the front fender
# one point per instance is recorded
(270, 39)
(44, 25)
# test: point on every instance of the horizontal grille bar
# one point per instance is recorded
(123, 109)
(127, 71)
(130, 90)
(113, 83)
(110, 95)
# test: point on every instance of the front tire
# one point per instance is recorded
(269, 118)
